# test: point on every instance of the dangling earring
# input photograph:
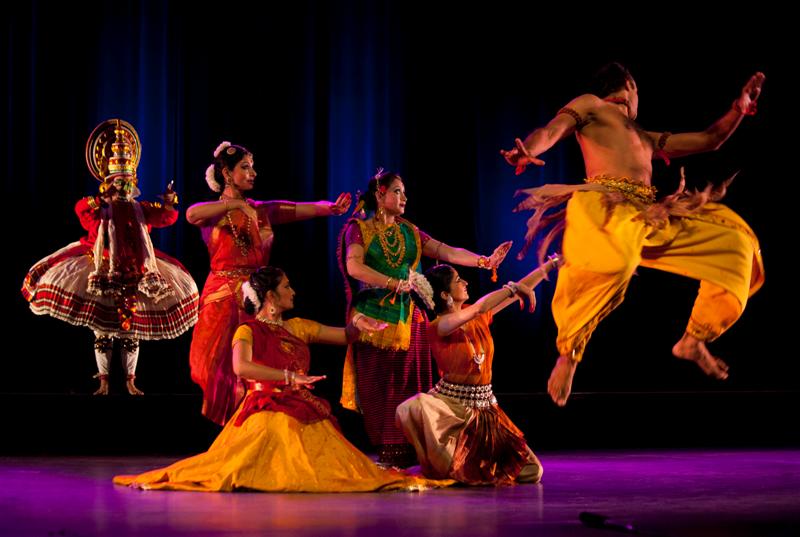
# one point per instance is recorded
(449, 301)
(271, 310)
(379, 213)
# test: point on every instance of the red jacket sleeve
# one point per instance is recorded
(156, 215)
(88, 211)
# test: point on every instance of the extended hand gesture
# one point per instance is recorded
(746, 103)
(499, 254)
(341, 204)
(369, 325)
(520, 157)
(169, 196)
(522, 292)
(306, 381)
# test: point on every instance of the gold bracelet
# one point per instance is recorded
(355, 319)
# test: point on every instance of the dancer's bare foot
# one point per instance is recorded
(132, 389)
(691, 348)
(103, 389)
(560, 384)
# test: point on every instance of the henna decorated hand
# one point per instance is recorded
(499, 254)
(341, 204)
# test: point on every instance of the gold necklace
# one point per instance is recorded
(393, 243)
(242, 240)
(273, 322)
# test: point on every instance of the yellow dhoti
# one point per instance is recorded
(605, 240)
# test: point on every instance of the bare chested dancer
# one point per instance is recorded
(604, 241)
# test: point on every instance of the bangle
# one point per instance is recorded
(552, 260)
(483, 262)
(512, 287)
(288, 377)
(752, 108)
(355, 319)
(389, 282)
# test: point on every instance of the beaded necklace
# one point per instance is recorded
(242, 240)
(393, 243)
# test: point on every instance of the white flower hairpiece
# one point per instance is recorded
(421, 286)
(221, 147)
(212, 180)
(250, 294)
(378, 174)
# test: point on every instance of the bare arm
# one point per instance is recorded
(333, 335)
(542, 139)
(452, 321)
(244, 367)
(530, 282)
(500, 299)
(678, 145)
(202, 214)
(306, 210)
(457, 256)
(465, 258)
(359, 270)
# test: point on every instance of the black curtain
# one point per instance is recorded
(323, 93)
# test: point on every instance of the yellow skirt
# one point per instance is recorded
(273, 452)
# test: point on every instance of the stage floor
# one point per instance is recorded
(675, 493)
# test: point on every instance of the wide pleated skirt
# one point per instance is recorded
(474, 446)
(274, 452)
(57, 286)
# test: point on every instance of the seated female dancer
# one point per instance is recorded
(457, 429)
(281, 438)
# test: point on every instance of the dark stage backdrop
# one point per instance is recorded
(323, 93)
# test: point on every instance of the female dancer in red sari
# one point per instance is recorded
(282, 438)
(238, 233)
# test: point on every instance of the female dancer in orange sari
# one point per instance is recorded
(457, 429)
